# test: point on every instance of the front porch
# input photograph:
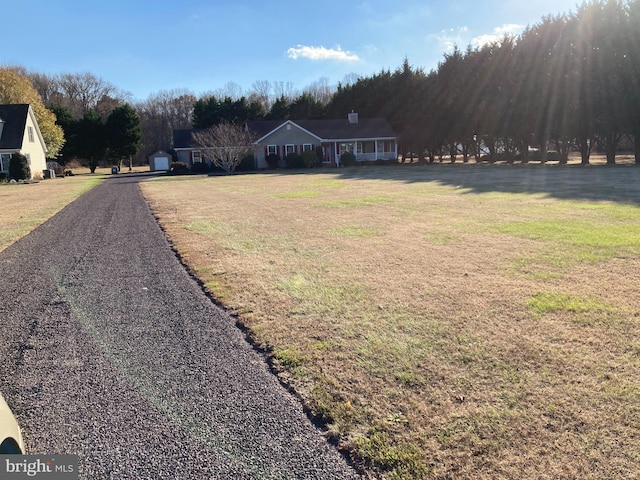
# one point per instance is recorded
(364, 151)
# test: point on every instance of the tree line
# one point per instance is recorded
(571, 82)
(80, 116)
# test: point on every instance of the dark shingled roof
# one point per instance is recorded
(183, 138)
(261, 127)
(337, 129)
(15, 121)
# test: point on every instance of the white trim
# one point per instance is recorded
(358, 139)
(35, 123)
(288, 122)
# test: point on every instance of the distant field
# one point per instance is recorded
(468, 321)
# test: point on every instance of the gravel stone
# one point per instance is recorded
(112, 352)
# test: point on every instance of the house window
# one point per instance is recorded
(385, 146)
(289, 149)
(272, 150)
(5, 159)
(197, 156)
(30, 130)
(307, 146)
(346, 147)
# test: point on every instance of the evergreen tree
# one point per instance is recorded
(19, 167)
(279, 109)
(123, 133)
(91, 140)
(305, 107)
(69, 126)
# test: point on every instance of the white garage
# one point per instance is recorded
(160, 161)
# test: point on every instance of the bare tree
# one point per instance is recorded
(224, 144)
(82, 92)
(350, 79)
(162, 113)
(320, 90)
(46, 85)
(284, 89)
(263, 92)
(230, 89)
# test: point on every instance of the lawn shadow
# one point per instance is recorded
(615, 183)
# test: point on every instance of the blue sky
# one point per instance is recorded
(144, 46)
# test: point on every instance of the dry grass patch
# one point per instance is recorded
(25, 206)
(447, 322)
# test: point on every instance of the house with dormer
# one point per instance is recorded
(19, 133)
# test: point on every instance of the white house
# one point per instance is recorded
(19, 133)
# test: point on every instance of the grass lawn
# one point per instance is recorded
(466, 321)
(25, 206)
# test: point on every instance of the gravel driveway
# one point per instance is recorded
(109, 350)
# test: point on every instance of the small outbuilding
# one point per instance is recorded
(160, 161)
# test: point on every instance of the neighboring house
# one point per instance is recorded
(186, 148)
(369, 139)
(19, 133)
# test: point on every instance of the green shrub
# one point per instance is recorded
(178, 168)
(293, 160)
(200, 167)
(19, 167)
(347, 159)
(310, 158)
(273, 161)
(247, 163)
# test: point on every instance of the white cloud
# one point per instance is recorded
(448, 39)
(321, 53)
(498, 33)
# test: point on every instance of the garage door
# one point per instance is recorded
(161, 163)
